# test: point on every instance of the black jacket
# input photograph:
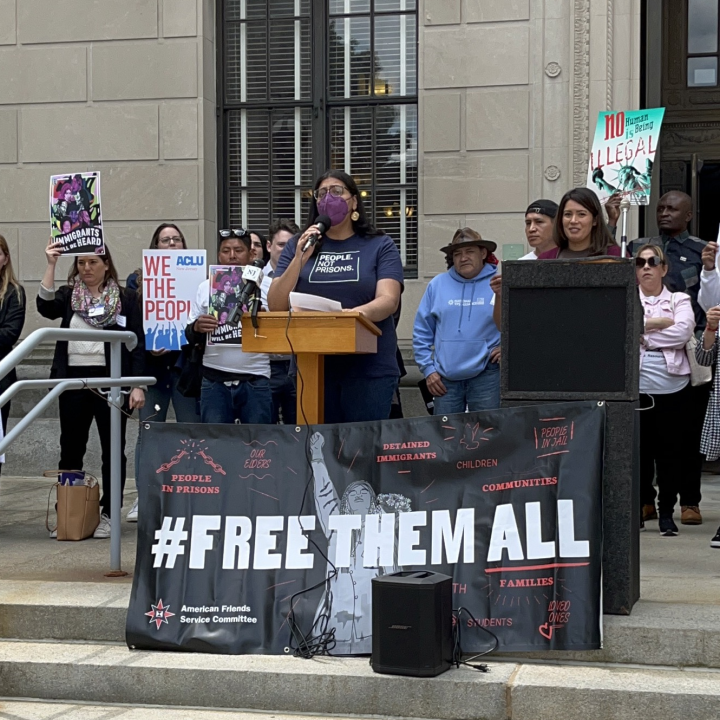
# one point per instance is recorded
(12, 320)
(133, 363)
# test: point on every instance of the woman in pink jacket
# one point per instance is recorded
(664, 388)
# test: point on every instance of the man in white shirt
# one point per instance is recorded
(282, 383)
(539, 223)
(236, 385)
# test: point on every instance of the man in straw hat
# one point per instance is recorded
(455, 340)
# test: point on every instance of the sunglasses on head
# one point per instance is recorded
(240, 233)
(653, 262)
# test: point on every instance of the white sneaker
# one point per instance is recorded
(132, 515)
(53, 534)
(103, 529)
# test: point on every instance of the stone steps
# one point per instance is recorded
(39, 710)
(656, 634)
(109, 673)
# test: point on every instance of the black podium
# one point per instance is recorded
(571, 331)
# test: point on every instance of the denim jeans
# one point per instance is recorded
(358, 399)
(187, 410)
(481, 392)
(250, 402)
(284, 396)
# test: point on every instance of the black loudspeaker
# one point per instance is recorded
(412, 623)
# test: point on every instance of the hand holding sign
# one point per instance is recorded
(53, 251)
(709, 254)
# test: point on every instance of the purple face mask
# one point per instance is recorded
(336, 208)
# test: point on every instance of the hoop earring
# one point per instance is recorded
(355, 216)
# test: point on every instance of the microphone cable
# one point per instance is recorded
(319, 640)
(457, 656)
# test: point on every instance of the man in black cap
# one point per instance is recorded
(539, 221)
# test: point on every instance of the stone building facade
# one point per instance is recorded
(507, 95)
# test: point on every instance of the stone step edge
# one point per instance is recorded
(651, 637)
(102, 673)
(12, 707)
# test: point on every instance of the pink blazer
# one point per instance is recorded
(672, 340)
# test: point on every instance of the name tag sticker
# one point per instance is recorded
(121, 320)
(96, 311)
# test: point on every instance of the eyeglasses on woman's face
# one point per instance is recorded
(653, 261)
(170, 241)
(336, 190)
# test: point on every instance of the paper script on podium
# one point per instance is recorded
(304, 301)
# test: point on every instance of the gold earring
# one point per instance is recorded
(355, 216)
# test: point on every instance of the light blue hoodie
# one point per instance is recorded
(455, 318)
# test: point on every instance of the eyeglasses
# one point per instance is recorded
(240, 233)
(653, 262)
(170, 241)
(336, 190)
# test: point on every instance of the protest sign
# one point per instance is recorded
(170, 280)
(623, 153)
(225, 287)
(75, 214)
(241, 522)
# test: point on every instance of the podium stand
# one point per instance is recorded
(571, 331)
(310, 336)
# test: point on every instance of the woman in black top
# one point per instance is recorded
(92, 300)
(12, 318)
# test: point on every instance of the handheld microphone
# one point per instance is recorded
(624, 207)
(252, 276)
(323, 222)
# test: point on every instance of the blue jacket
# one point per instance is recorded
(455, 318)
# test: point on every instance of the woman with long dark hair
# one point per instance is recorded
(580, 229)
(359, 267)
(162, 364)
(12, 318)
(91, 300)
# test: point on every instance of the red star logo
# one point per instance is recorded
(159, 614)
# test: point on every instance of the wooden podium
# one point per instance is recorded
(312, 335)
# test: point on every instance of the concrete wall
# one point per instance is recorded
(509, 95)
(126, 87)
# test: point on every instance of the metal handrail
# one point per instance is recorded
(114, 382)
(42, 335)
(58, 387)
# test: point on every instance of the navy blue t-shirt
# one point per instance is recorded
(348, 271)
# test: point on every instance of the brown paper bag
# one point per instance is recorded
(78, 509)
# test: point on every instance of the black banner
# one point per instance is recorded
(236, 521)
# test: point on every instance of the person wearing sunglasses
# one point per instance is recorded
(235, 385)
(164, 365)
(664, 389)
(360, 267)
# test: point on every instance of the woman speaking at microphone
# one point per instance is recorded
(359, 267)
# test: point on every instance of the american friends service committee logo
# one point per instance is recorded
(159, 614)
